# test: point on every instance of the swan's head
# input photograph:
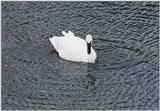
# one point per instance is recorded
(89, 38)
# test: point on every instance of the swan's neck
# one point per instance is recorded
(88, 47)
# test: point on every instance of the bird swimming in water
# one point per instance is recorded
(73, 48)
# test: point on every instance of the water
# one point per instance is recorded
(125, 75)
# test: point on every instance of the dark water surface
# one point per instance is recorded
(125, 75)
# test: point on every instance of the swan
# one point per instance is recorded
(73, 48)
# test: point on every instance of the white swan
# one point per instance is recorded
(72, 48)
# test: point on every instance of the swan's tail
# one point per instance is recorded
(53, 41)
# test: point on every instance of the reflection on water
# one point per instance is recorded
(90, 80)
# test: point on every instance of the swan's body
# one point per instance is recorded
(73, 48)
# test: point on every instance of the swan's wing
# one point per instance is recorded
(71, 34)
(72, 48)
(64, 33)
